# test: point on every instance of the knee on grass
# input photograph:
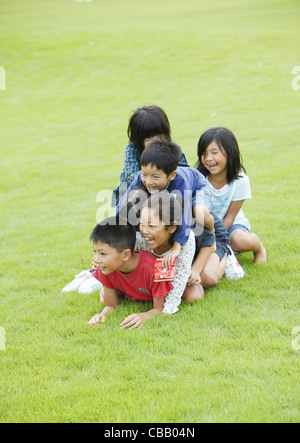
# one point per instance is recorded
(243, 241)
(209, 280)
(193, 293)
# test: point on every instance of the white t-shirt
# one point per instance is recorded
(238, 189)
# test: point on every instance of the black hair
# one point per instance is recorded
(131, 208)
(147, 122)
(115, 232)
(162, 153)
(228, 144)
(168, 207)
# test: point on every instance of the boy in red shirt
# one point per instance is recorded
(124, 272)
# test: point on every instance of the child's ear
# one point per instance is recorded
(172, 175)
(173, 228)
(126, 255)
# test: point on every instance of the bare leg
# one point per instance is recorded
(193, 293)
(213, 271)
(243, 241)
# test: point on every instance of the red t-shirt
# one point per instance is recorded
(139, 284)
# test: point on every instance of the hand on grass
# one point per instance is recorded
(101, 318)
(133, 321)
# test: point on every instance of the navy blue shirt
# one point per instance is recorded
(186, 183)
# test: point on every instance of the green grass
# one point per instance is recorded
(74, 74)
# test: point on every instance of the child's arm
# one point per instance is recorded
(136, 320)
(198, 265)
(232, 213)
(169, 258)
(111, 300)
(203, 216)
(208, 219)
(242, 192)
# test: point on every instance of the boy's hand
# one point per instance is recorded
(133, 321)
(98, 318)
(195, 278)
(101, 318)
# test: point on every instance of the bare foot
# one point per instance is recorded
(260, 256)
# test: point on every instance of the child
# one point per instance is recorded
(219, 160)
(159, 163)
(159, 216)
(209, 259)
(124, 272)
(145, 123)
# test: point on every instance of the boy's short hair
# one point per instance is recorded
(162, 153)
(115, 232)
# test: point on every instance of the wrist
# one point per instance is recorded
(108, 309)
(197, 268)
(152, 313)
(177, 247)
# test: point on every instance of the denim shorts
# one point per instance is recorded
(207, 238)
(235, 228)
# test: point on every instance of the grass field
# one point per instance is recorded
(74, 73)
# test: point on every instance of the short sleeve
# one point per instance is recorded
(102, 279)
(242, 189)
(160, 289)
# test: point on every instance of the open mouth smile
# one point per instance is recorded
(149, 240)
(151, 188)
(211, 166)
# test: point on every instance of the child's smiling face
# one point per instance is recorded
(154, 179)
(153, 230)
(214, 159)
(106, 258)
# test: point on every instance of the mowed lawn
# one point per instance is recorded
(74, 73)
